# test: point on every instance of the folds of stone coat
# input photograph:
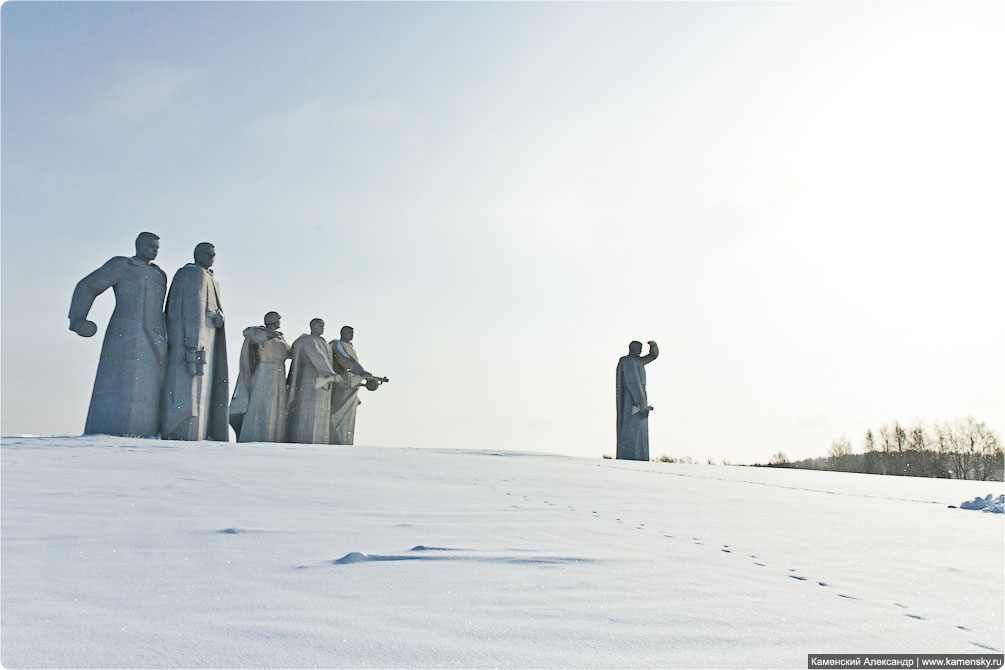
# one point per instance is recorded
(127, 387)
(195, 406)
(309, 401)
(633, 428)
(345, 392)
(258, 408)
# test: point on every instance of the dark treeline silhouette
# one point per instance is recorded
(961, 449)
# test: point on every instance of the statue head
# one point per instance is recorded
(317, 327)
(346, 333)
(147, 245)
(635, 348)
(205, 254)
(272, 320)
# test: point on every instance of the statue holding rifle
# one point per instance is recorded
(345, 393)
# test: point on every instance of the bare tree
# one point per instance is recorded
(778, 458)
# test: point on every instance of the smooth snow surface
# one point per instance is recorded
(140, 553)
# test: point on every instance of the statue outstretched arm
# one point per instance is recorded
(89, 288)
(345, 361)
(653, 354)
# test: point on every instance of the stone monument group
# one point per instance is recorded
(163, 365)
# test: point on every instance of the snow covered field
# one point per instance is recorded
(140, 553)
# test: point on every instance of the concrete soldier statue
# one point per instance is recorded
(196, 389)
(345, 394)
(127, 387)
(310, 382)
(258, 408)
(632, 403)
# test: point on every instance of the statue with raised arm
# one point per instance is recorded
(127, 387)
(196, 388)
(632, 403)
(345, 392)
(310, 382)
(258, 407)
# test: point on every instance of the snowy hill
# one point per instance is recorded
(140, 553)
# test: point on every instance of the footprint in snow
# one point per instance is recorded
(915, 616)
(903, 607)
(842, 595)
(760, 564)
(984, 646)
(802, 579)
(726, 551)
(822, 584)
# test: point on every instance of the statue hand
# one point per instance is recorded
(218, 320)
(84, 328)
(652, 343)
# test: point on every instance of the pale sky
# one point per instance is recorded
(802, 203)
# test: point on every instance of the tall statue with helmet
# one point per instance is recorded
(258, 406)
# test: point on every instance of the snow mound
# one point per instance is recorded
(121, 553)
(988, 503)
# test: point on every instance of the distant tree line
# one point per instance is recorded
(961, 449)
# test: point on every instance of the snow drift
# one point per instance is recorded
(139, 553)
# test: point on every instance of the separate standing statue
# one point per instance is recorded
(130, 377)
(195, 392)
(345, 394)
(633, 405)
(258, 408)
(310, 382)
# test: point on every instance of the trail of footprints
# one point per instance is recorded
(791, 572)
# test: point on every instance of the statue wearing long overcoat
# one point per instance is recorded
(195, 405)
(127, 387)
(258, 407)
(632, 401)
(310, 380)
(345, 392)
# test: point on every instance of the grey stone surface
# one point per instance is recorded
(196, 389)
(310, 381)
(258, 406)
(345, 392)
(127, 387)
(632, 402)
